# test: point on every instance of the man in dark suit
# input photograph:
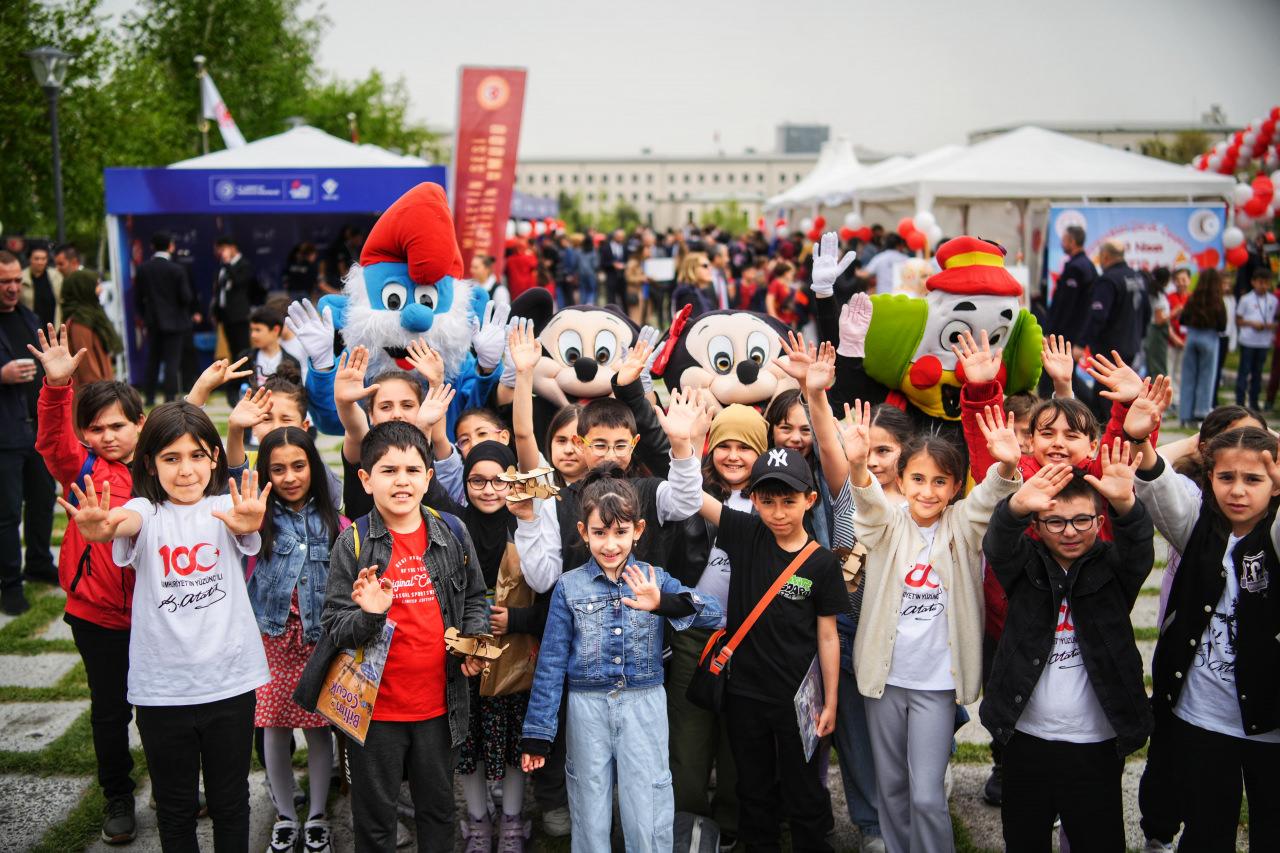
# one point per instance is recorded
(165, 305)
(27, 496)
(235, 295)
(613, 263)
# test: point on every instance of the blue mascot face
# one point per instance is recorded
(391, 289)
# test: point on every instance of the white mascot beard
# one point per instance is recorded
(375, 328)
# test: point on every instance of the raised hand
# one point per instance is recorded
(248, 505)
(95, 518)
(634, 364)
(1055, 353)
(428, 362)
(682, 414)
(348, 382)
(55, 356)
(489, 338)
(976, 358)
(1002, 438)
(1148, 408)
(1116, 483)
(434, 406)
(702, 423)
(214, 376)
(855, 319)
(314, 330)
(371, 593)
(826, 269)
(1037, 492)
(254, 408)
(822, 370)
(799, 356)
(523, 347)
(855, 432)
(650, 335)
(1122, 381)
(645, 594)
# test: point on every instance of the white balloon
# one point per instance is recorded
(780, 232)
(1241, 193)
(1215, 162)
(806, 224)
(852, 220)
(1232, 237)
(1220, 147)
(1275, 177)
(539, 227)
(1249, 138)
(1243, 220)
(1270, 213)
(524, 229)
(924, 220)
(511, 228)
(933, 233)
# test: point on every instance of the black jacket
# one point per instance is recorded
(1101, 588)
(1116, 308)
(1070, 309)
(242, 291)
(163, 296)
(17, 426)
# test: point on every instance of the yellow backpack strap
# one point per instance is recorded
(355, 533)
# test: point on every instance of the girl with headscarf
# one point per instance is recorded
(89, 328)
(491, 752)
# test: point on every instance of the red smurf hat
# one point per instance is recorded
(972, 267)
(416, 230)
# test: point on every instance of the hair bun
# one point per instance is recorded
(603, 471)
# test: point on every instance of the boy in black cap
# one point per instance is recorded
(798, 623)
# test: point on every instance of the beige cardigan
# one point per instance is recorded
(892, 543)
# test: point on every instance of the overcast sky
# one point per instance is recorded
(612, 77)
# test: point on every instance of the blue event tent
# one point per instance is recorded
(301, 186)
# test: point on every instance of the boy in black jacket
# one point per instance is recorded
(1065, 696)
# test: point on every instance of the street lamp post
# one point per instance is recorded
(49, 64)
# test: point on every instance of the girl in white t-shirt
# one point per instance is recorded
(918, 649)
(195, 654)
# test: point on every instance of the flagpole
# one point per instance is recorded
(203, 123)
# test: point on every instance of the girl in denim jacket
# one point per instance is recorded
(609, 645)
(287, 592)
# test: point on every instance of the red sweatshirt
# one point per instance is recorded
(103, 593)
(974, 397)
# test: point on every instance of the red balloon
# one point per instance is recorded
(863, 233)
(760, 224)
(814, 235)
(1275, 113)
(1238, 256)
(1263, 188)
(847, 234)
(1237, 138)
(916, 241)
(1206, 259)
(1268, 129)
(819, 222)
(781, 223)
(906, 226)
(1254, 207)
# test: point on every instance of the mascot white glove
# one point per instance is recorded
(314, 330)
(648, 335)
(855, 319)
(489, 338)
(825, 267)
(508, 377)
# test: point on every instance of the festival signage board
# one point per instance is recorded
(490, 108)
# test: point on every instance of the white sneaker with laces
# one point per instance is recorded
(316, 837)
(284, 837)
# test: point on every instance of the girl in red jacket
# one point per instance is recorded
(109, 416)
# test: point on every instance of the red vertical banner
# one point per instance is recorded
(490, 106)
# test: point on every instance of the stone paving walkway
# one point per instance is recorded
(48, 792)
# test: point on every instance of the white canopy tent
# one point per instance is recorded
(300, 148)
(834, 160)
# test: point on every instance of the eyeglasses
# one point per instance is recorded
(1056, 524)
(477, 484)
(622, 448)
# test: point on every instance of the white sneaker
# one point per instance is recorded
(316, 837)
(556, 822)
(1155, 845)
(284, 837)
(872, 844)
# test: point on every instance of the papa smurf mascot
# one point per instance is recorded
(408, 285)
(898, 348)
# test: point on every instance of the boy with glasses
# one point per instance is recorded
(1065, 696)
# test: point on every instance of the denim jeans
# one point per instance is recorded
(620, 733)
(1199, 365)
(853, 746)
(1252, 362)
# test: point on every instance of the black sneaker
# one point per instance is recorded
(120, 826)
(13, 601)
(992, 790)
(43, 574)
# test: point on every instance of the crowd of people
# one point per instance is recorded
(211, 578)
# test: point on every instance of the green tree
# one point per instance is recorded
(381, 108)
(730, 217)
(1183, 148)
(571, 212)
(622, 216)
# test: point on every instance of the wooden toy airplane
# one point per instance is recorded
(483, 646)
(529, 484)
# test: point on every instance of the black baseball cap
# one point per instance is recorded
(782, 464)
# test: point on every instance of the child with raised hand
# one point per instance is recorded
(286, 590)
(524, 352)
(1065, 697)
(1216, 671)
(607, 645)
(221, 372)
(195, 654)
(1059, 364)
(919, 644)
(99, 593)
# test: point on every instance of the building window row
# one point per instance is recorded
(672, 178)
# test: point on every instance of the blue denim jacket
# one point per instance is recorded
(299, 558)
(601, 644)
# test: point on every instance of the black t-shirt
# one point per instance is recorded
(357, 502)
(19, 335)
(778, 649)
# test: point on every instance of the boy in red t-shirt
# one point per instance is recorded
(414, 570)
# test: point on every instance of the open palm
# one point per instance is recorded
(55, 356)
